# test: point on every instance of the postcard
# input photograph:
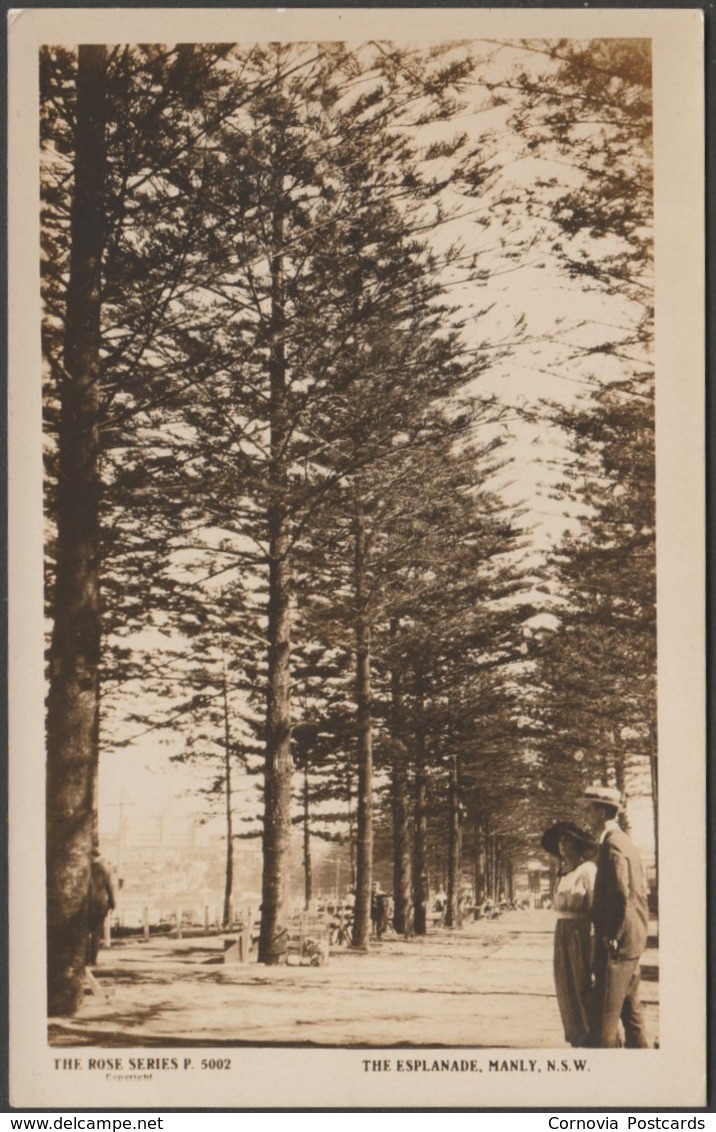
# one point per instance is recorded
(357, 558)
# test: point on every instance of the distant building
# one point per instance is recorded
(166, 864)
(533, 882)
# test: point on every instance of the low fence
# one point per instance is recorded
(307, 934)
(144, 921)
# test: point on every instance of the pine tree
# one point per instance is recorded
(73, 699)
(591, 107)
(306, 238)
(460, 642)
(101, 320)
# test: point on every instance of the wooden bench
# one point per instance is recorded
(237, 943)
(309, 940)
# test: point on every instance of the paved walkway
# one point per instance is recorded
(488, 984)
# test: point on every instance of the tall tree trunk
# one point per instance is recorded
(620, 777)
(95, 792)
(479, 864)
(654, 767)
(496, 865)
(420, 867)
(351, 835)
(509, 884)
(604, 757)
(400, 807)
(453, 918)
(489, 890)
(279, 761)
(73, 695)
(401, 849)
(364, 855)
(421, 888)
(307, 868)
(229, 884)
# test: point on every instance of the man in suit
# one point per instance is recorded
(620, 917)
(100, 902)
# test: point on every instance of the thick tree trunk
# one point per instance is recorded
(278, 762)
(421, 888)
(73, 696)
(654, 767)
(364, 848)
(229, 883)
(489, 889)
(479, 864)
(420, 869)
(621, 786)
(496, 863)
(421, 885)
(453, 918)
(307, 865)
(604, 758)
(95, 800)
(402, 918)
(351, 836)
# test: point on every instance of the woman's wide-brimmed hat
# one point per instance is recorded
(585, 842)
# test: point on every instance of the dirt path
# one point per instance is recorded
(485, 985)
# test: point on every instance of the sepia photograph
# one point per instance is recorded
(355, 427)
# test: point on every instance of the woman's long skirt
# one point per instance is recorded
(572, 977)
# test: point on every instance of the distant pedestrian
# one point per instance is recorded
(440, 904)
(386, 911)
(375, 906)
(573, 895)
(620, 916)
(100, 903)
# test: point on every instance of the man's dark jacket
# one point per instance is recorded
(619, 908)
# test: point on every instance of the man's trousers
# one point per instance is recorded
(616, 998)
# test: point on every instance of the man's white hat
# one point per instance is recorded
(606, 795)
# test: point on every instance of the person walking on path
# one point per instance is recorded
(576, 850)
(101, 901)
(376, 900)
(620, 917)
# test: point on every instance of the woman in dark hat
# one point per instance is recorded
(572, 945)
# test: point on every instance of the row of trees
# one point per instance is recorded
(599, 671)
(272, 482)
